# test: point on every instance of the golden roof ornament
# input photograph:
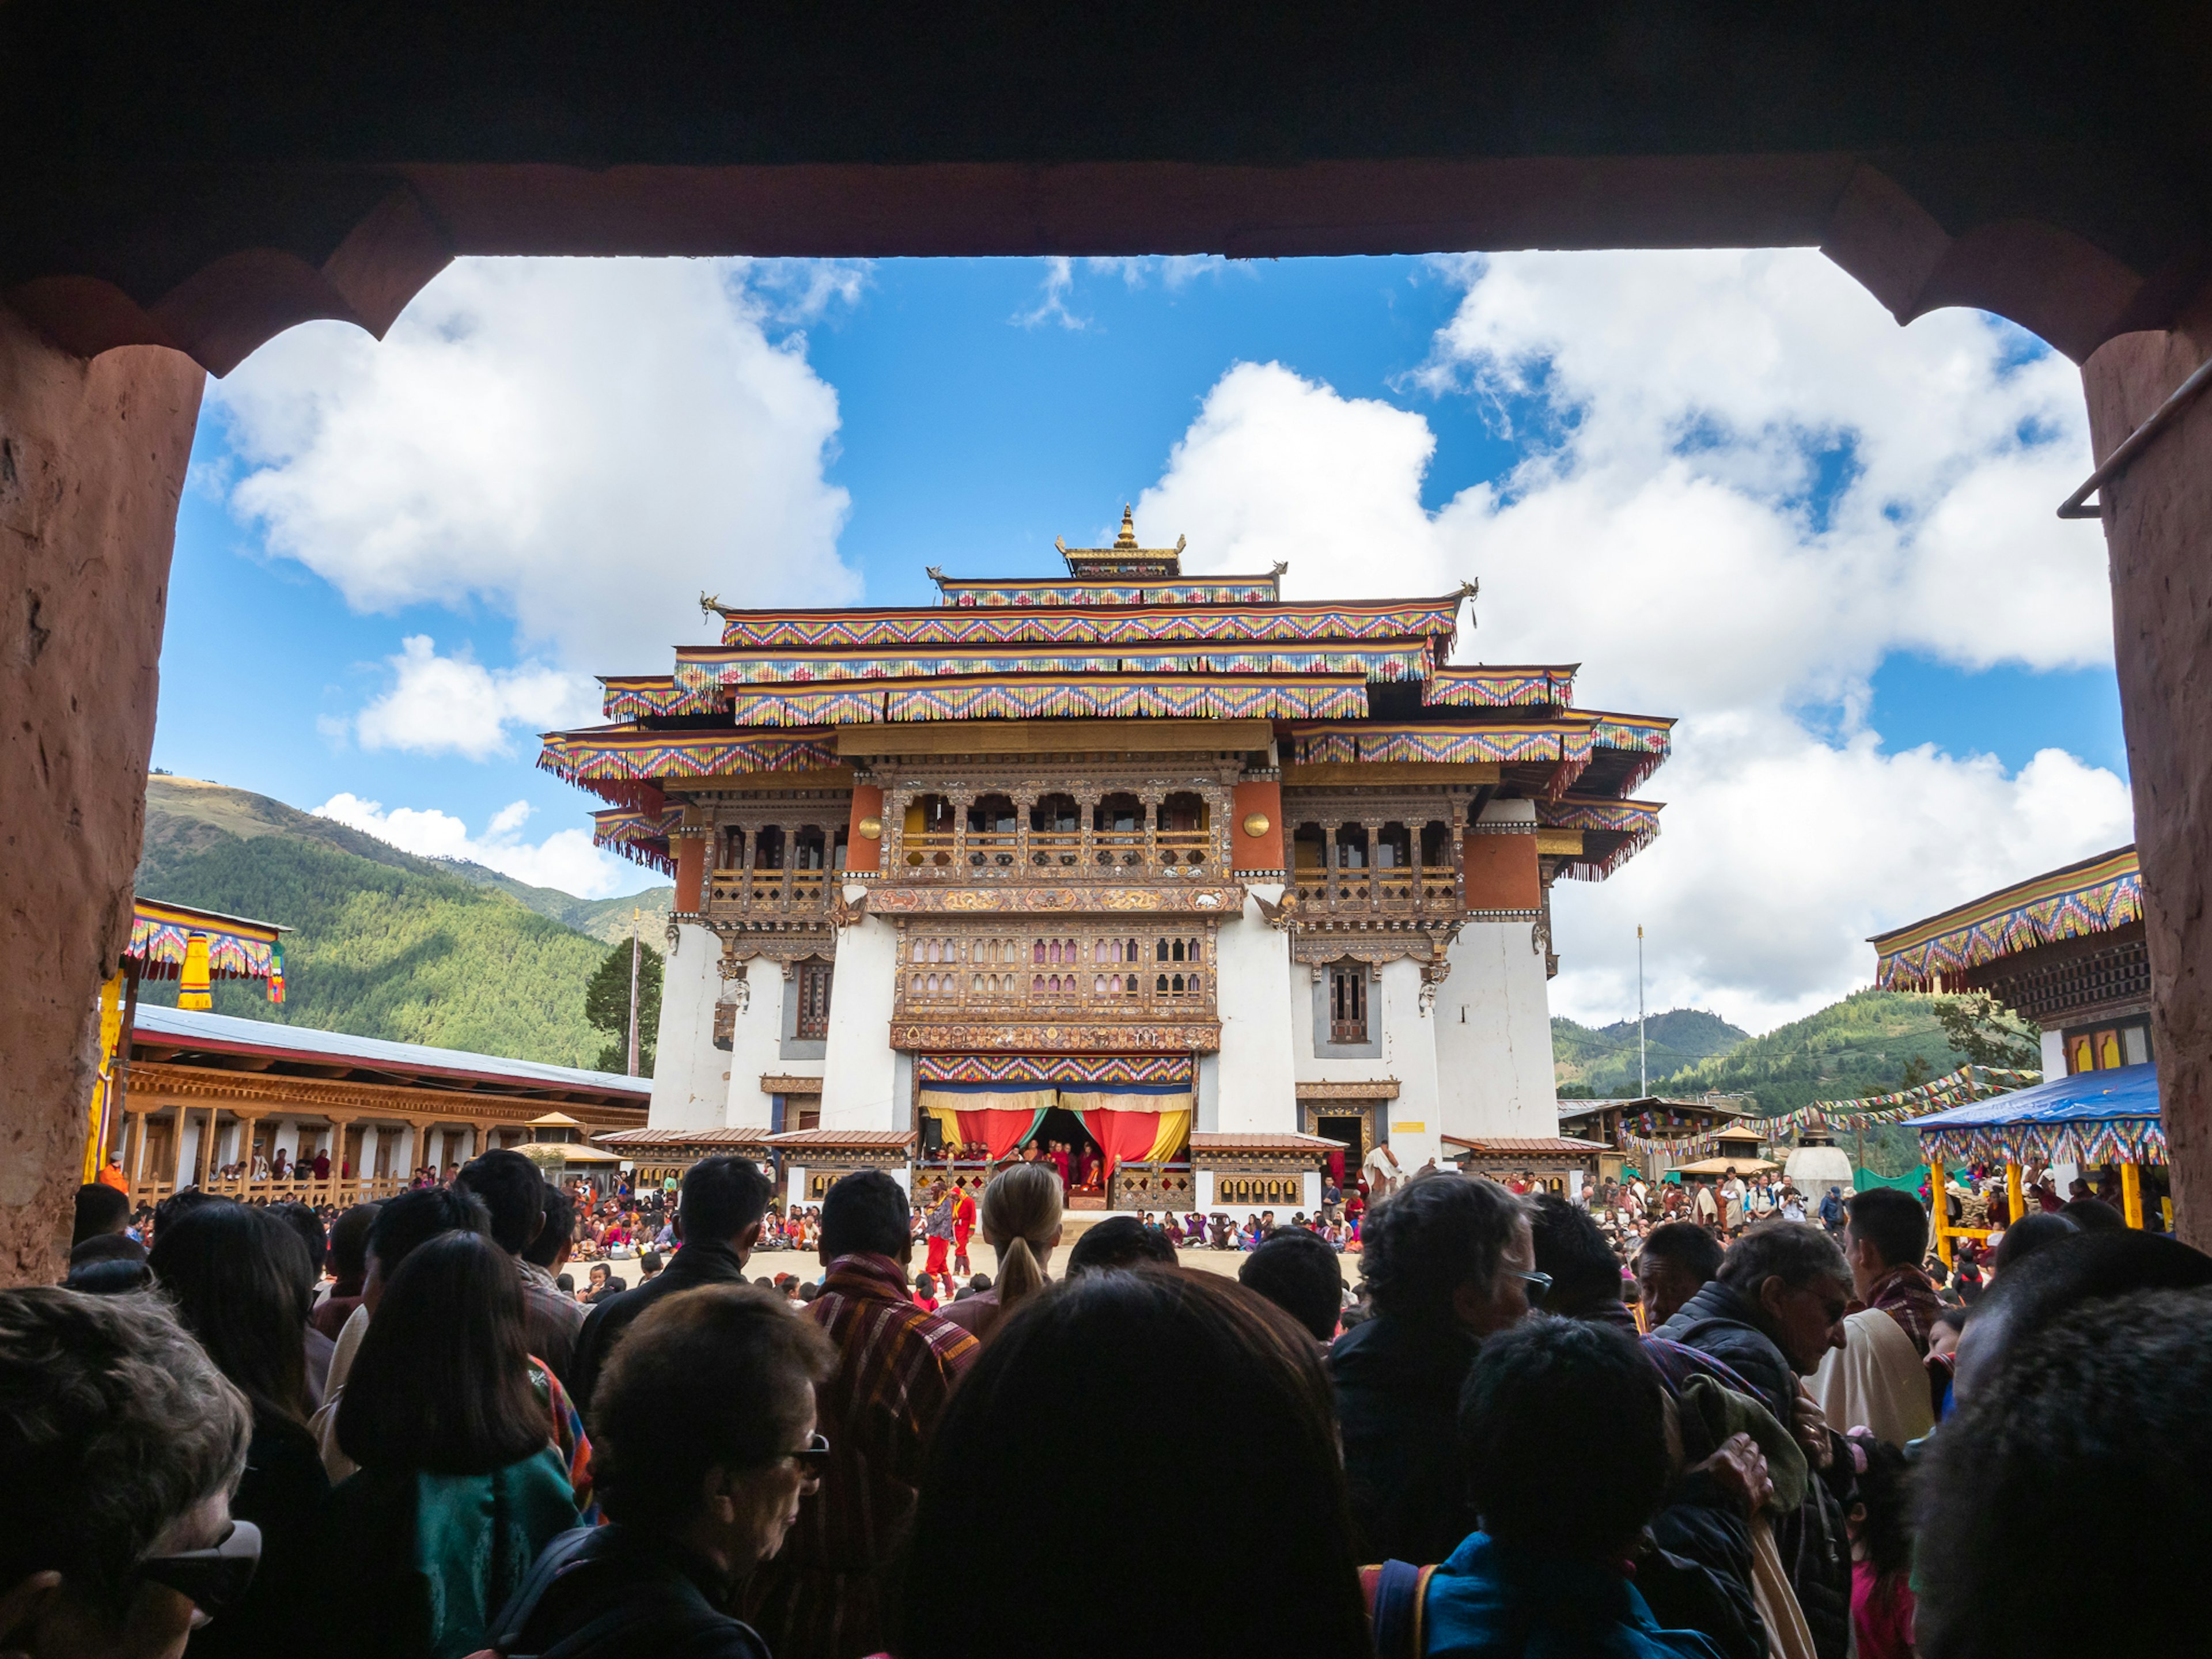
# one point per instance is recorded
(1128, 539)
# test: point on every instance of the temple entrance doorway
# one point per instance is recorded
(1060, 1129)
(1350, 1131)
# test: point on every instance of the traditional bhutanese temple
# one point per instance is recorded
(1167, 866)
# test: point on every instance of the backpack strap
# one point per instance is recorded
(1395, 1592)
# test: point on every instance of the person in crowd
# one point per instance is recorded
(133, 1441)
(1677, 1261)
(705, 1447)
(1196, 1384)
(649, 1265)
(238, 1277)
(718, 1215)
(1775, 1307)
(963, 1227)
(1020, 1218)
(303, 1220)
(1449, 1261)
(1704, 1207)
(349, 1263)
(459, 1485)
(936, 1228)
(2030, 1234)
(822, 1596)
(1543, 1576)
(1882, 1602)
(1121, 1241)
(604, 1283)
(1884, 1237)
(2093, 1215)
(925, 1292)
(1301, 1275)
(515, 1192)
(2060, 1508)
(1570, 1251)
(548, 1251)
(1833, 1212)
(100, 1209)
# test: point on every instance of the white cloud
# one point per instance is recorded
(1052, 300)
(565, 859)
(583, 445)
(454, 706)
(1671, 526)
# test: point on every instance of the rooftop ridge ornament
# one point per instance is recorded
(1125, 559)
(1128, 539)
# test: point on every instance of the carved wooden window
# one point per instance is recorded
(813, 999)
(1347, 1004)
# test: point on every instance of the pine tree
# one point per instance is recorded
(606, 1005)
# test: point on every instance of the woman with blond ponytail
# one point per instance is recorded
(1020, 1219)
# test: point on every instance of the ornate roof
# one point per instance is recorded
(2096, 895)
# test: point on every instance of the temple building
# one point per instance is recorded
(1207, 886)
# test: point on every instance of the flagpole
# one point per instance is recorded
(632, 990)
(1643, 1079)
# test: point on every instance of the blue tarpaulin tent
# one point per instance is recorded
(2089, 1118)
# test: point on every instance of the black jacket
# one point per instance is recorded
(695, 1265)
(1397, 1400)
(1813, 1542)
(616, 1592)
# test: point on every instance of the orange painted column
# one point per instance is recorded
(864, 836)
(1501, 871)
(1255, 836)
(690, 874)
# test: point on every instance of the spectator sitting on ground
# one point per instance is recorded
(516, 1195)
(706, 1445)
(2076, 1464)
(648, 1268)
(1676, 1262)
(1119, 1241)
(133, 1440)
(1543, 1576)
(719, 1215)
(1300, 1274)
(1194, 1383)
(1448, 1262)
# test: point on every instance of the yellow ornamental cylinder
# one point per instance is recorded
(192, 986)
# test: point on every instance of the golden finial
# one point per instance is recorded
(1128, 536)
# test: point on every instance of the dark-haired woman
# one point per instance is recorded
(1192, 1382)
(459, 1484)
(238, 1277)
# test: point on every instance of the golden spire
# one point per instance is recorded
(1128, 536)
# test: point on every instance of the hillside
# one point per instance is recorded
(1600, 1064)
(387, 943)
(1859, 1046)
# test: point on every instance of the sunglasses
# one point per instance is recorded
(210, 1579)
(1539, 1286)
(812, 1458)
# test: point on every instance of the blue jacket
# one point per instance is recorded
(1503, 1602)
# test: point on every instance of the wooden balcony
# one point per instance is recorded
(1430, 891)
(786, 893)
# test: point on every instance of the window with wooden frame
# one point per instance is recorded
(1347, 1003)
(813, 999)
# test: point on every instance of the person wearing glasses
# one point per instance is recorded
(703, 1444)
(1449, 1261)
(133, 1442)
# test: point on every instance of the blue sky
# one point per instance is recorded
(1727, 483)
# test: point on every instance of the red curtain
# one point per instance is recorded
(1002, 1131)
(1124, 1135)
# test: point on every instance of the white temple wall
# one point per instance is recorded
(860, 1075)
(755, 1044)
(1400, 1048)
(1493, 1035)
(1255, 1082)
(689, 1088)
(2054, 1061)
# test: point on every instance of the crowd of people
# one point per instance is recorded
(399, 1434)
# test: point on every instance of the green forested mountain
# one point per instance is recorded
(387, 944)
(1600, 1064)
(1862, 1045)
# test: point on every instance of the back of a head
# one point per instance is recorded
(120, 1423)
(2062, 1276)
(100, 1209)
(1687, 1245)
(108, 1264)
(558, 1233)
(1195, 1384)
(2093, 1215)
(721, 1376)
(1891, 1221)
(513, 1190)
(2078, 1471)
(1019, 1217)
(238, 1277)
(441, 1381)
(1524, 1435)
(1119, 1241)
(866, 1213)
(1795, 1252)
(302, 1219)
(1433, 1235)
(404, 1224)
(722, 1198)
(348, 1259)
(1585, 1272)
(2030, 1234)
(1301, 1275)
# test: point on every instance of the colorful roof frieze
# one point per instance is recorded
(1650, 736)
(830, 705)
(1054, 1069)
(639, 697)
(238, 947)
(703, 669)
(2096, 895)
(2110, 1116)
(1634, 823)
(611, 755)
(1449, 743)
(1151, 623)
(1483, 686)
(1207, 696)
(639, 834)
(983, 593)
